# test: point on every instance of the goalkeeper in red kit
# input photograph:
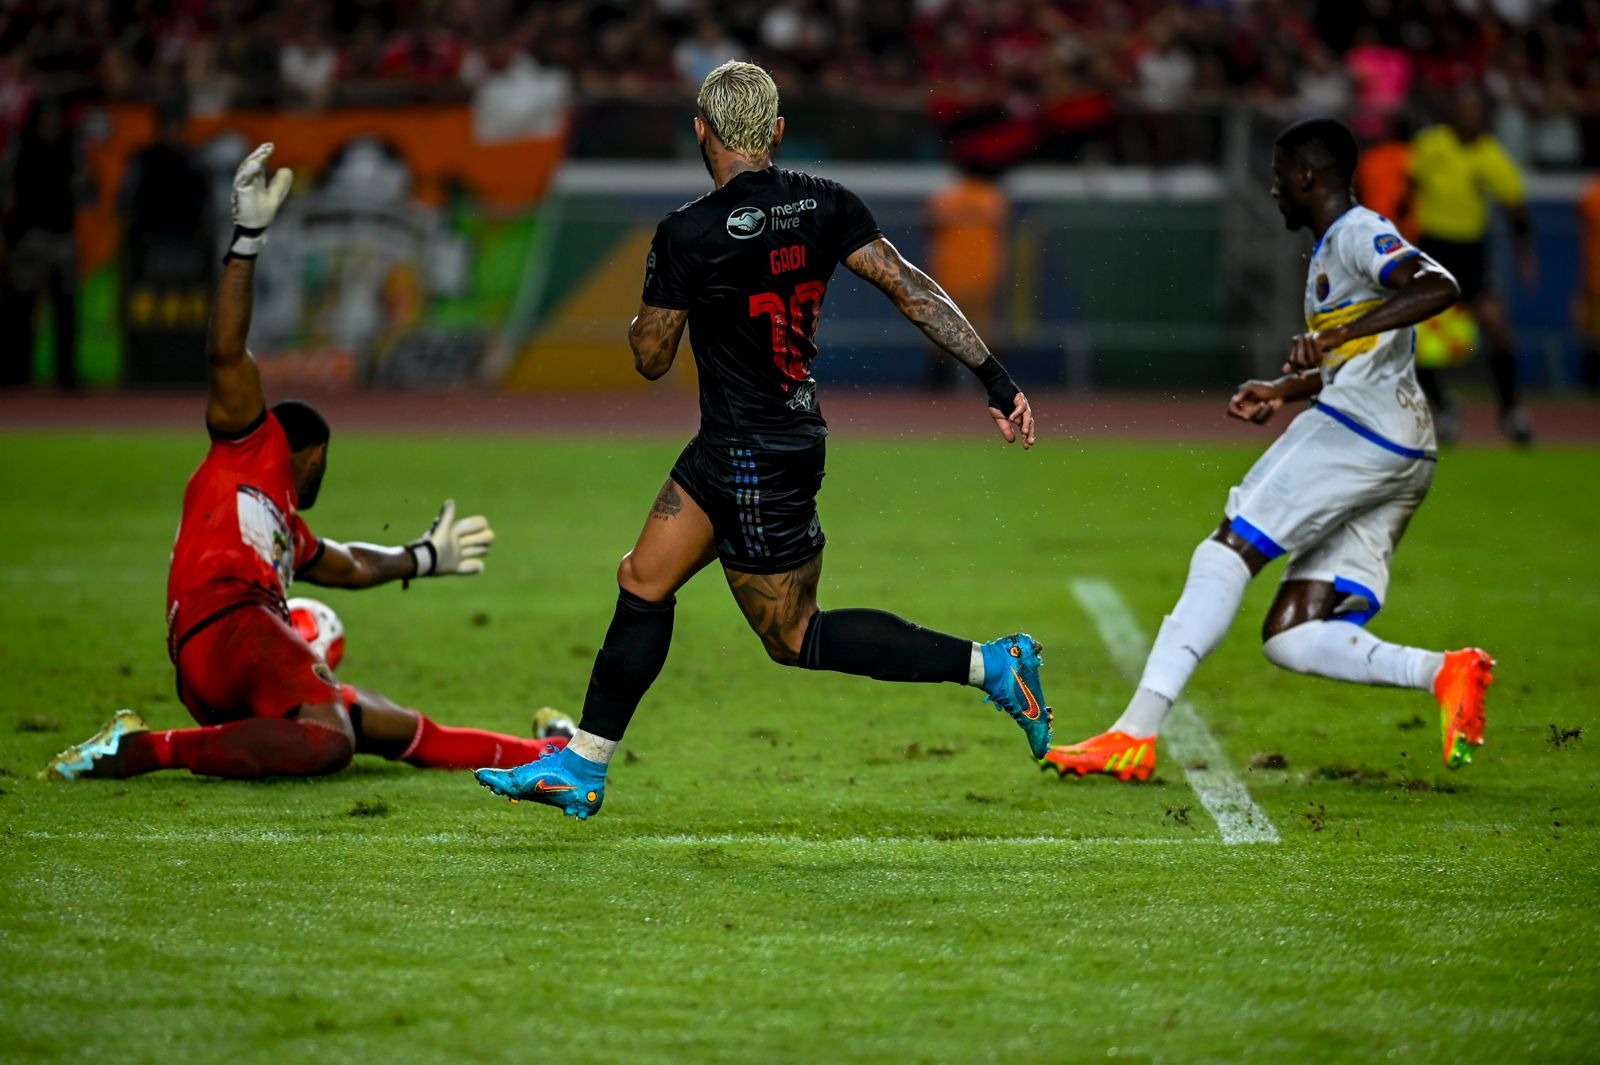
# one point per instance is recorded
(266, 702)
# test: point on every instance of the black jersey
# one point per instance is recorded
(751, 262)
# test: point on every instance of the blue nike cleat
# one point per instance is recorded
(97, 755)
(1011, 677)
(556, 778)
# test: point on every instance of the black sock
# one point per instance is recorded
(1503, 367)
(876, 644)
(628, 663)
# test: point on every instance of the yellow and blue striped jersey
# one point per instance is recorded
(1370, 379)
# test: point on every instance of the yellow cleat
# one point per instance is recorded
(550, 723)
(82, 759)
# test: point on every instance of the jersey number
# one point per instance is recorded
(794, 326)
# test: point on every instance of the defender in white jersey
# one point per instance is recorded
(1334, 492)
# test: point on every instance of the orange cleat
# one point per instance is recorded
(1114, 753)
(1460, 688)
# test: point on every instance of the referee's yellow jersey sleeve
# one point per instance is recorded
(1499, 172)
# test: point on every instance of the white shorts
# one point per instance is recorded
(1335, 501)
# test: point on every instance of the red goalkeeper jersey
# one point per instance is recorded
(241, 540)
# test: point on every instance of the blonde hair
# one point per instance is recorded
(740, 102)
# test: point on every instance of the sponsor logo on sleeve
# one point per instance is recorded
(1322, 286)
(1387, 243)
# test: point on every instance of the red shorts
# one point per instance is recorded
(250, 663)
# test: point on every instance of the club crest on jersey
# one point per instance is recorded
(747, 222)
(1386, 243)
(1322, 286)
(264, 529)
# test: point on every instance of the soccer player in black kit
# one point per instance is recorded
(746, 268)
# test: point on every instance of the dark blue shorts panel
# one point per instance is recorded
(762, 504)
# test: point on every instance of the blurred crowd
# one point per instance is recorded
(1125, 79)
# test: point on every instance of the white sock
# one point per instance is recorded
(1144, 714)
(594, 748)
(975, 667)
(1199, 621)
(1343, 651)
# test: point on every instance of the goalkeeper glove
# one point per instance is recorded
(452, 546)
(256, 202)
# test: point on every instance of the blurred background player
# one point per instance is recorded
(1586, 304)
(749, 264)
(42, 185)
(1458, 172)
(168, 233)
(1335, 491)
(267, 702)
(966, 222)
(1383, 178)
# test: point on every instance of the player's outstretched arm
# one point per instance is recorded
(451, 547)
(235, 399)
(1424, 291)
(919, 298)
(654, 336)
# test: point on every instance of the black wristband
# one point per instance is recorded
(245, 243)
(415, 551)
(998, 383)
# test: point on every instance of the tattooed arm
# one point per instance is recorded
(654, 337)
(919, 298)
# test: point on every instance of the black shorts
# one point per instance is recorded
(1467, 262)
(762, 504)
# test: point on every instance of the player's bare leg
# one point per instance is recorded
(1304, 633)
(676, 543)
(385, 728)
(782, 610)
(311, 740)
(1219, 571)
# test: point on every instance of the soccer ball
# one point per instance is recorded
(319, 626)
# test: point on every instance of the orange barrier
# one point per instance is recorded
(437, 142)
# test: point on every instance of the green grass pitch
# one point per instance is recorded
(793, 866)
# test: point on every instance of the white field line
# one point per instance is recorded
(253, 836)
(1185, 735)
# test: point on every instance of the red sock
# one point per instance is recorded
(439, 747)
(244, 750)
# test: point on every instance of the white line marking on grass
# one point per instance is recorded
(264, 835)
(1188, 740)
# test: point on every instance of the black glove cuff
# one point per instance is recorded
(246, 243)
(998, 383)
(416, 549)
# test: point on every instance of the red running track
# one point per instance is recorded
(673, 413)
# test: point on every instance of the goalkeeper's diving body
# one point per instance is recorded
(745, 269)
(267, 703)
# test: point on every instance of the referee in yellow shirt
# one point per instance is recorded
(1458, 172)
